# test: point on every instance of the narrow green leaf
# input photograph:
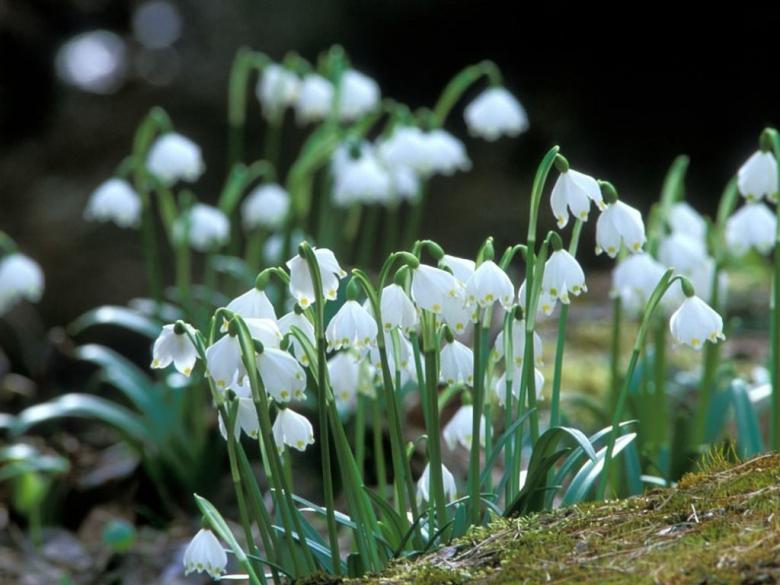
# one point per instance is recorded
(118, 317)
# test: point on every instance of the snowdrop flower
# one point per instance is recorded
(292, 429)
(458, 431)
(489, 284)
(204, 554)
(563, 275)
(283, 377)
(205, 226)
(115, 200)
(277, 89)
(223, 357)
(173, 345)
(499, 388)
(447, 154)
(619, 224)
(757, 177)
(457, 364)
(246, 414)
(402, 360)
(265, 207)
(518, 345)
(682, 252)
(573, 191)
(295, 319)
(752, 226)
(495, 112)
(397, 309)
(405, 184)
(696, 322)
(351, 327)
(433, 287)
(253, 304)
(635, 278)
(359, 94)
(173, 158)
(546, 304)
(344, 370)
(362, 180)
(20, 278)
(458, 316)
(461, 268)
(301, 285)
(685, 219)
(407, 146)
(274, 246)
(315, 99)
(424, 484)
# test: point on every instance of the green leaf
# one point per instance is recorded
(390, 518)
(118, 317)
(586, 477)
(218, 524)
(749, 441)
(499, 446)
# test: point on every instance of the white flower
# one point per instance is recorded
(461, 268)
(457, 364)
(459, 430)
(424, 484)
(246, 413)
(206, 227)
(563, 275)
(397, 309)
(573, 191)
(274, 246)
(545, 305)
(757, 177)
(433, 287)
(223, 357)
(684, 218)
(315, 99)
(362, 180)
(204, 553)
(682, 252)
(407, 146)
(293, 319)
(283, 377)
(344, 371)
(518, 345)
(495, 112)
(277, 89)
(115, 200)
(405, 184)
(499, 388)
(696, 322)
(446, 153)
(752, 226)
(301, 285)
(358, 95)
(352, 327)
(401, 361)
(619, 224)
(253, 304)
(293, 429)
(174, 345)
(457, 315)
(635, 278)
(265, 207)
(489, 284)
(20, 278)
(174, 157)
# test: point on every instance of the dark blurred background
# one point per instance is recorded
(623, 93)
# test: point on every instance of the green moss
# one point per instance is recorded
(720, 525)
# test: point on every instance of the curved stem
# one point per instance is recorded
(455, 89)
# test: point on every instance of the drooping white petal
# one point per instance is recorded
(573, 191)
(21, 277)
(204, 554)
(277, 88)
(205, 226)
(282, 375)
(518, 345)
(315, 99)
(358, 94)
(634, 279)
(352, 327)
(115, 200)
(293, 319)
(752, 226)
(757, 177)
(495, 112)
(432, 287)
(223, 361)
(265, 207)
(489, 284)
(253, 304)
(682, 252)
(172, 347)
(424, 485)
(696, 322)
(685, 219)
(173, 157)
(461, 268)
(619, 224)
(457, 364)
(563, 275)
(397, 309)
(292, 429)
(459, 429)
(301, 285)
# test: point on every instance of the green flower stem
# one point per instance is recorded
(561, 340)
(244, 63)
(614, 351)
(509, 373)
(647, 318)
(368, 235)
(475, 507)
(459, 85)
(660, 417)
(379, 451)
(774, 138)
(432, 424)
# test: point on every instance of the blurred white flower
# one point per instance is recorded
(446, 153)
(204, 553)
(619, 224)
(563, 275)
(174, 345)
(685, 219)
(752, 226)
(301, 285)
(696, 322)
(115, 200)
(344, 370)
(495, 112)
(457, 364)
(757, 177)
(352, 327)
(315, 99)
(424, 484)
(173, 158)
(489, 284)
(292, 429)
(546, 304)
(358, 95)
(518, 345)
(20, 278)
(459, 430)
(265, 207)
(682, 252)
(274, 246)
(294, 319)
(573, 191)
(634, 279)
(499, 388)
(223, 357)
(277, 88)
(246, 413)
(362, 180)
(205, 226)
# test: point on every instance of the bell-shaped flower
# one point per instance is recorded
(619, 224)
(315, 99)
(358, 95)
(461, 268)
(173, 158)
(499, 388)
(407, 146)
(634, 279)
(301, 285)
(204, 554)
(752, 226)
(489, 284)
(362, 180)
(460, 429)
(518, 345)
(400, 356)
(352, 327)
(433, 287)
(757, 177)
(397, 309)
(446, 154)
(459, 316)
(115, 200)
(264, 330)
(20, 278)
(294, 319)
(205, 226)
(292, 429)
(424, 485)
(685, 219)
(546, 304)
(277, 88)
(223, 361)
(494, 113)
(573, 191)
(344, 371)
(246, 413)
(682, 252)
(253, 304)
(457, 364)
(265, 207)
(563, 275)
(282, 375)
(696, 322)
(173, 345)
(404, 184)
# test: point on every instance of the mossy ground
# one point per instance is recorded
(720, 525)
